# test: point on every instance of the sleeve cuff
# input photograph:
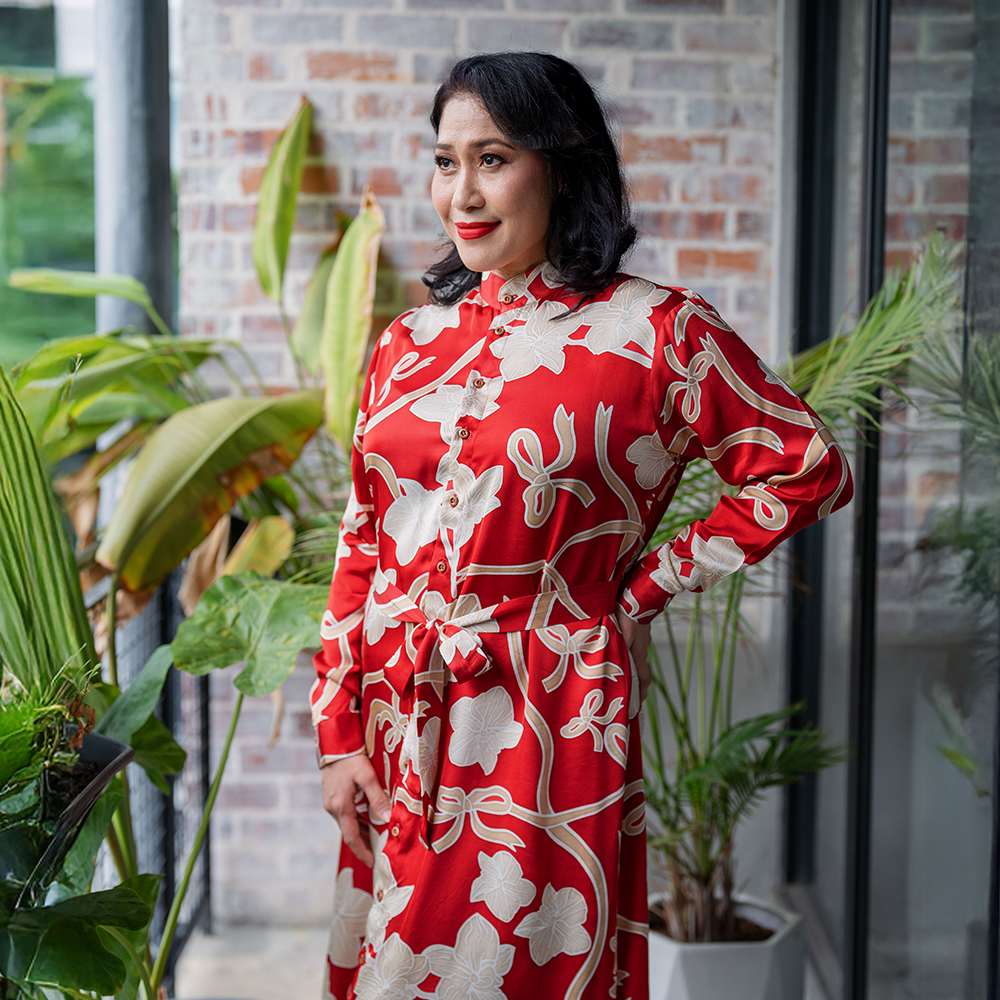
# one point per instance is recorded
(646, 591)
(339, 736)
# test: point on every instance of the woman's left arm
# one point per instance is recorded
(716, 399)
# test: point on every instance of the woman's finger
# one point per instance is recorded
(379, 807)
(350, 830)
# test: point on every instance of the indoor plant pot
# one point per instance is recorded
(772, 969)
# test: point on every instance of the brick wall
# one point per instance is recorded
(694, 86)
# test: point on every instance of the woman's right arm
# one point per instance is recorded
(336, 694)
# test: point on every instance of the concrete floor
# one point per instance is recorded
(274, 963)
(253, 963)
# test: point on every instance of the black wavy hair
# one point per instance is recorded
(542, 102)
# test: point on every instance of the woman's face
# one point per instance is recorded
(493, 196)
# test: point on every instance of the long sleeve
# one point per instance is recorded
(716, 399)
(336, 694)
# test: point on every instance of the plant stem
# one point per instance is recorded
(117, 854)
(206, 814)
(112, 616)
(124, 826)
(136, 957)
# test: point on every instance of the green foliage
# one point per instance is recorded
(63, 946)
(249, 617)
(43, 623)
(347, 319)
(46, 208)
(192, 470)
(707, 773)
(279, 190)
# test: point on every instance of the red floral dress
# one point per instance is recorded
(513, 454)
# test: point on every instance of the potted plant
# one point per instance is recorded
(706, 769)
(198, 457)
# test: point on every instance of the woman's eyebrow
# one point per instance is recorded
(478, 144)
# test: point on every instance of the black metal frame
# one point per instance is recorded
(857, 890)
(818, 84)
(819, 23)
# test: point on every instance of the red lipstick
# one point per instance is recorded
(475, 230)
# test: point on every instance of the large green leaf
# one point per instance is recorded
(308, 331)
(279, 190)
(60, 946)
(147, 887)
(130, 710)
(250, 618)
(43, 622)
(347, 319)
(83, 284)
(192, 470)
(157, 752)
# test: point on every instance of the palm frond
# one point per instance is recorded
(43, 622)
(843, 374)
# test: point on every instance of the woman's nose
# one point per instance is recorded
(467, 193)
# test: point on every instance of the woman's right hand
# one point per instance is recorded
(345, 781)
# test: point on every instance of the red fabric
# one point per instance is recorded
(515, 452)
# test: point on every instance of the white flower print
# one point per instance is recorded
(376, 620)
(390, 901)
(666, 573)
(556, 927)
(440, 407)
(395, 973)
(480, 402)
(412, 519)
(428, 321)
(422, 750)
(651, 460)
(501, 885)
(537, 344)
(350, 913)
(624, 317)
(477, 496)
(483, 726)
(714, 559)
(475, 967)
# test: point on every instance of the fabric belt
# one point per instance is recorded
(414, 671)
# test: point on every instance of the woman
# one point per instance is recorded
(518, 441)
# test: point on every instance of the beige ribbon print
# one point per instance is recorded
(540, 495)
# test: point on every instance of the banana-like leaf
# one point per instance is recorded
(83, 284)
(194, 467)
(308, 331)
(250, 618)
(262, 548)
(350, 300)
(279, 190)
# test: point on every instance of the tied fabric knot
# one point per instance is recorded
(414, 676)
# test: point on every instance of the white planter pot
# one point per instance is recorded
(754, 970)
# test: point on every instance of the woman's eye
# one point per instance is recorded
(491, 159)
(442, 162)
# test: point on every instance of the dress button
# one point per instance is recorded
(479, 383)
(500, 331)
(378, 895)
(464, 432)
(394, 832)
(452, 501)
(508, 299)
(442, 566)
